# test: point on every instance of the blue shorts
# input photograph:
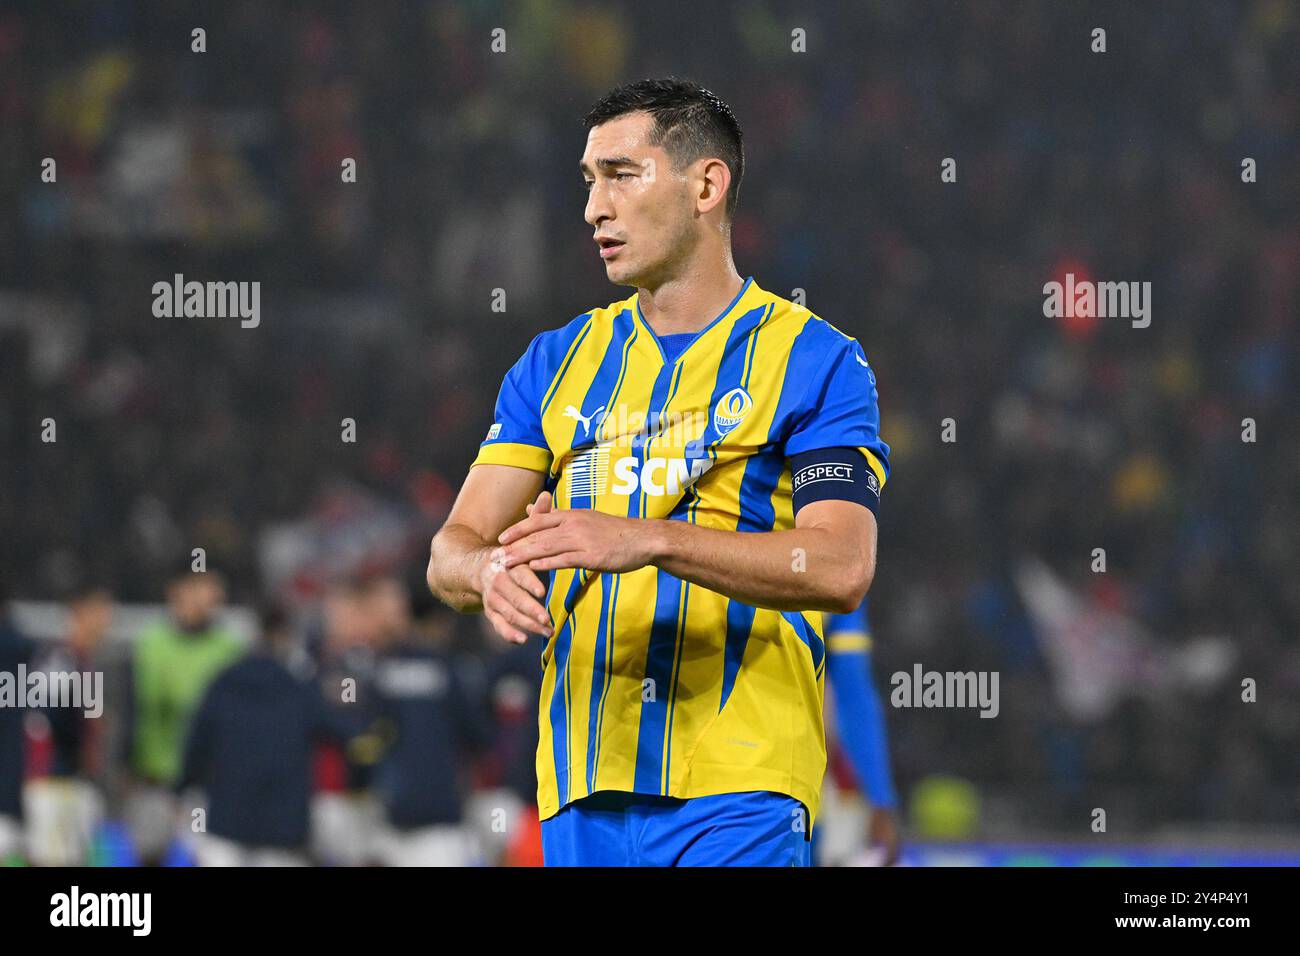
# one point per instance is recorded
(612, 828)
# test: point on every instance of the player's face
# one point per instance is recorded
(638, 202)
(91, 616)
(196, 599)
(389, 609)
(343, 619)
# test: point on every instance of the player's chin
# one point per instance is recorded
(620, 273)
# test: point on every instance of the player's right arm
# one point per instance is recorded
(503, 484)
(460, 573)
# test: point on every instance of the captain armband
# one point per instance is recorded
(840, 474)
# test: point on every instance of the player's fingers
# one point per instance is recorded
(540, 545)
(516, 530)
(545, 502)
(526, 578)
(505, 630)
(568, 559)
(530, 525)
(529, 596)
(513, 621)
(518, 606)
(523, 620)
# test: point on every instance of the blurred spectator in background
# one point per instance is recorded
(509, 768)
(345, 812)
(250, 750)
(431, 728)
(67, 803)
(15, 650)
(174, 662)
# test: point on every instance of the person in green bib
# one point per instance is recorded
(174, 661)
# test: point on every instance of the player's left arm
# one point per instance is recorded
(825, 563)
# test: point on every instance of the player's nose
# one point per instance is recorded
(599, 207)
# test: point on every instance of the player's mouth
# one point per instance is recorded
(609, 247)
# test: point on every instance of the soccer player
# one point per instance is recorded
(65, 807)
(675, 490)
(860, 721)
(175, 660)
(430, 726)
(346, 814)
(249, 747)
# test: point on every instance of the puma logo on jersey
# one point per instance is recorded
(575, 413)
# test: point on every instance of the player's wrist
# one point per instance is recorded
(480, 561)
(477, 578)
(656, 540)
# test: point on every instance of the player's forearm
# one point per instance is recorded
(802, 569)
(455, 567)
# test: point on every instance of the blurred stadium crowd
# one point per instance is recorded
(363, 735)
(1119, 689)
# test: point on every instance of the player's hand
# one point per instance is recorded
(512, 599)
(883, 832)
(548, 540)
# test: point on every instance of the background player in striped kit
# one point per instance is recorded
(860, 725)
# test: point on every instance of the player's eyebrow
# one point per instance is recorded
(607, 163)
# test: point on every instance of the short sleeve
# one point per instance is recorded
(839, 410)
(515, 436)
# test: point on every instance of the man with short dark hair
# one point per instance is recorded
(249, 748)
(694, 470)
(173, 662)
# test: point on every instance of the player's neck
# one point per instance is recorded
(691, 301)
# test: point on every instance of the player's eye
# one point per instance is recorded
(587, 184)
(622, 176)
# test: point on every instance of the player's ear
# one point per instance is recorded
(714, 181)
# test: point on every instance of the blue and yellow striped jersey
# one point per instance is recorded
(651, 684)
